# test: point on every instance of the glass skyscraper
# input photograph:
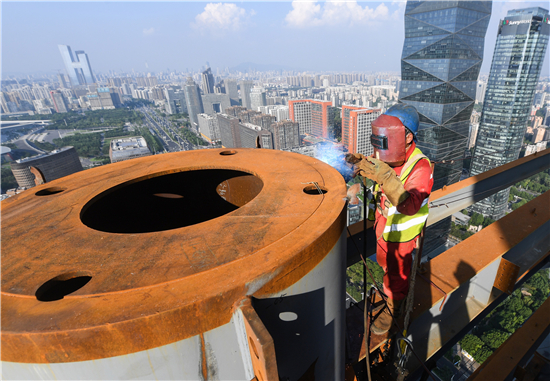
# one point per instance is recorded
(440, 63)
(517, 61)
(78, 69)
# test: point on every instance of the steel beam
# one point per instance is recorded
(455, 197)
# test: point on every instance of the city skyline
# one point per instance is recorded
(154, 37)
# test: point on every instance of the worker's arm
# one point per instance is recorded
(419, 186)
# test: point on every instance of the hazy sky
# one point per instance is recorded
(320, 36)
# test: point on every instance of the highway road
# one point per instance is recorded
(161, 125)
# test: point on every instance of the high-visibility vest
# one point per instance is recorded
(400, 227)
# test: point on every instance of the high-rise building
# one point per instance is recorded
(360, 130)
(215, 103)
(285, 135)
(313, 116)
(194, 102)
(442, 55)
(264, 121)
(480, 91)
(346, 130)
(440, 63)
(257, 98)
(517, 61)
(207, 81)
(246, 86)
(78, 66)
(58, 101)
(232, 90)
(62, 82)
(208, 127)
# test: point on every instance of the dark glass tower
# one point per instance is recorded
(440, 64)
(517, 61)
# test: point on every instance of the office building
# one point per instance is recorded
(480, 91)
(246, 87)
(440, 63)
(286, 135)
(62, 82)
(232, 90)
(40, 169)
(442, 55)
(346, 130)
(360, 130)
(175, 101)
(59, 102)
(128, 148)
(194, 101)
(257, 99)
(313, 116)
(77, 66)
(215, 103)
(521, 45)
(208, 127)
(207, 81)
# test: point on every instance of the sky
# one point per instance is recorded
(338, 36)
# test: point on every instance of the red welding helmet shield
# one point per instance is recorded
(388, 139)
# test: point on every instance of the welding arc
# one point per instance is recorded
(393, 318)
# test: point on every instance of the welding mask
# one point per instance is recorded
(388, 139)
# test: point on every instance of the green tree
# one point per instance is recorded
(8, 180)
(476, 219)
(494, 338)
(471, 344)
(483, 354)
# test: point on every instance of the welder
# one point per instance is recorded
(399, 206)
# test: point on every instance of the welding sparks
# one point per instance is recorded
(335, 157)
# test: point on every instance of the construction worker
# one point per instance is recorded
(403, 182)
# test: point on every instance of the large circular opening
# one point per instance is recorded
(170, 201)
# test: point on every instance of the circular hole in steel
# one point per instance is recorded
(49, 191)
(168, 195)
(288, 316)
(165, 201)
(253, 346)
(227, 153)
(60, 286)
(312, 189)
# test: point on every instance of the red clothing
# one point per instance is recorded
(396, 258)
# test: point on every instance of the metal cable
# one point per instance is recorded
(393, 318)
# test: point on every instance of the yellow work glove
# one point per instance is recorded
(383, 174)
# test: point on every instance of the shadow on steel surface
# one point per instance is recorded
(294, 338)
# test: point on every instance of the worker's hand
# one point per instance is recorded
(383, 174)
(354, 158)
(373, 169)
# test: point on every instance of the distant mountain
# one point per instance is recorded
(246, 66)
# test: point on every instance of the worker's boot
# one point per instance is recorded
(383, 322)
(378, 302)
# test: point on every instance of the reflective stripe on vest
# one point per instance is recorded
(400, 227)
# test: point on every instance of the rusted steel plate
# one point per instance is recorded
(260, 342)
(506, 358)
(461, 262)
(148, 285)
(507, 276)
